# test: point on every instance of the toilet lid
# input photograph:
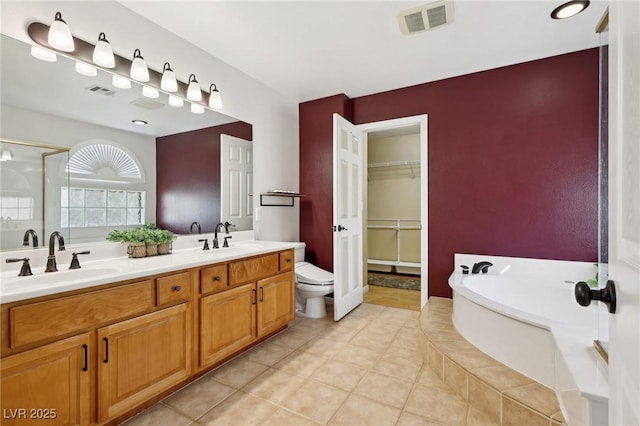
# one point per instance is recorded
(311, 274)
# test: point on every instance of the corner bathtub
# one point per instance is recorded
(523, 314)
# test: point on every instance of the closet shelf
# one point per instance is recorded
(280, 194)
(394, 164)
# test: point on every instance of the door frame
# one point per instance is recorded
(423, 122)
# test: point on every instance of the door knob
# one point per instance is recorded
(339, 228)
(584, 295)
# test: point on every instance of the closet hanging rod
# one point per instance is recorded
(394, 164)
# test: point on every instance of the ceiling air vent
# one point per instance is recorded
(426, 17)
(101, 90)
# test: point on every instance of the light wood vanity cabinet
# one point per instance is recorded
(48, 385)
(141, 357)
(94, 355)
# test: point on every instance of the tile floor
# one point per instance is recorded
(366, 369)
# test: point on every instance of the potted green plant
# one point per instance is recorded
(135, 238)
(164, 238)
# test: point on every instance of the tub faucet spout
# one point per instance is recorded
(481, 267)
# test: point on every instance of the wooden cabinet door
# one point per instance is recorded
(142, 357)
(49, 385)
(227, 323)
(276, 302)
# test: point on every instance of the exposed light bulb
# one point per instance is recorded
(86, 69)
(168, 81)
(197, 109)
(43, 54)
(193, 90)
(139, 70)
(176, 101)
(120, 82)
(103, 53)
(215, 100)
(60, 35)
(150, 92)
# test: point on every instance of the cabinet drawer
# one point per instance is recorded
(173, 289)
(253, 269)
(213, 279)
(57, 317)
(286, 260)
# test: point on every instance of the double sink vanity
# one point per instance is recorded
(96, 345)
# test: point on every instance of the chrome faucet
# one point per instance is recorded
(34, 238)
(481, 266)
(51, 260)
(196, 224)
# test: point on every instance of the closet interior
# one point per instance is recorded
(393, 211)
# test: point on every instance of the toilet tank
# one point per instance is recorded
(299, 252)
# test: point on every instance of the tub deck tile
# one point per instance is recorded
(501, 377)
(536, 396)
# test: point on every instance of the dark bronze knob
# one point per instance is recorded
(177, 288)
(217, 278)
(584, 295)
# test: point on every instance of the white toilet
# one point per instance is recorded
(312, 284)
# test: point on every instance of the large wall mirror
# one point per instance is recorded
(91, 120)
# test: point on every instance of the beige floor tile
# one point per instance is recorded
(389, 390)
(357, 323)
(435, 360)
(437, 405)
(367, 310)
(339, 374)
(398, 366)
(158, 415)
(476, 417)
(514, 414)
(536, 396)
(501, 377)
(300, 363)
(410, 419)
(405, 349)
(273, 385)
(199, 397)
(283, 417)
(290, 338)
(558, 417)
(361, 411)
(238, 372)
(339, 333)
(239, 409)
(369, 341)
(267, 353)
(358, 355)
(322, 347)
(315, 400)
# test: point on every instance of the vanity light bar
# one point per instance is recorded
(38, 32)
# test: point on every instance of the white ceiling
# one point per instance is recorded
(311, 49)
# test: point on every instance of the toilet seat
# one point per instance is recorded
(306, 273)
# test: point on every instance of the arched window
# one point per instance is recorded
(106, 187)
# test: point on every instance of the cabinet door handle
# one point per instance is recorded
(177, 288)
(106, 349)
(262, 294)
(85, 348)
(253, 299)
(217, 278)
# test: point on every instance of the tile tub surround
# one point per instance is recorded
(505, 396)
(366, 369)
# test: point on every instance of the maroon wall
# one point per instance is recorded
(513, 161)
(316, 175)
(188, 176)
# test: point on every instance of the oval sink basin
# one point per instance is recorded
(39, 278)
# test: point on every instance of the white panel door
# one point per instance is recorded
(624, 211)
(347, 216)
(236, 182)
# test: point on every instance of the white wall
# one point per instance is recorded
(274, 117)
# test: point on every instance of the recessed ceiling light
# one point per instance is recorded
(569, 9)
(139, 122)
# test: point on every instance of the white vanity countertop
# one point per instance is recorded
(109, 270)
